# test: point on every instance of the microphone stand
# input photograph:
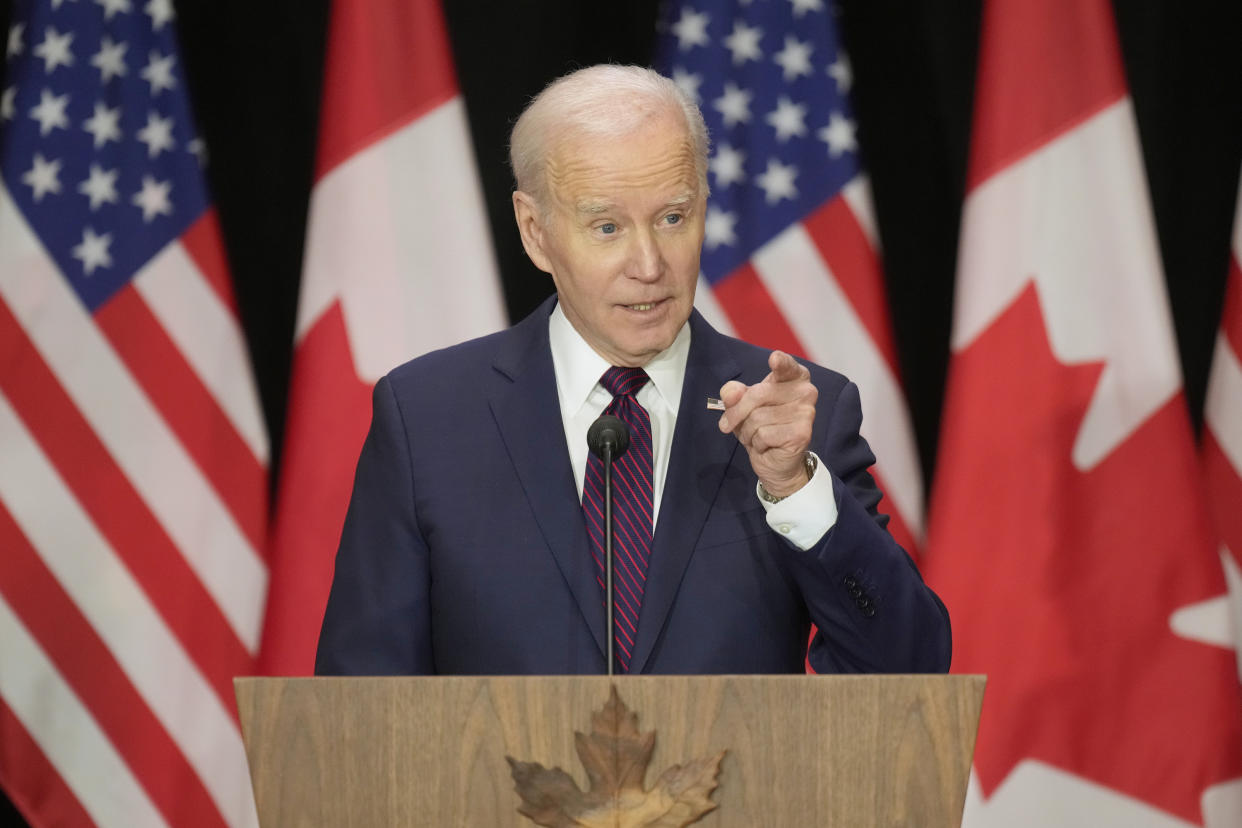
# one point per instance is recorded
(608, 438)
(610, 589)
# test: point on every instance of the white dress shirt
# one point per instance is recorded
(802, 518)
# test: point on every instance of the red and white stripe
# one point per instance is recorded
(398, 262)
(132, 519)
(817, 290)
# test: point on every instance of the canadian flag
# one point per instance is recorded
(1068, 530)
(398, 262)
(1222, 432)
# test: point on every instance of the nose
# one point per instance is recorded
(646, 257)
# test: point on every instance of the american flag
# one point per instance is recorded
(134, 473)
(790, 256)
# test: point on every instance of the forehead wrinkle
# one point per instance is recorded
(568, 170)
(593, 206)
(603, 205)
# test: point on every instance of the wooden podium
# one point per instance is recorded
(799, 750)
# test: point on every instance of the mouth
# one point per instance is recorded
(642, 307)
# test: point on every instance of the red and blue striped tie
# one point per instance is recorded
(632, 498)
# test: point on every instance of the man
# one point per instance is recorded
(473, 542)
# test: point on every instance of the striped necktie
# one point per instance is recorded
(632, 498)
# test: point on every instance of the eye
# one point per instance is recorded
(673, 218)
(607, 228)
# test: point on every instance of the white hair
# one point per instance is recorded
(604, 100)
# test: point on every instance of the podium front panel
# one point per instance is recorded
(430, 751)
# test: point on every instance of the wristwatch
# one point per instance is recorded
(809, 462)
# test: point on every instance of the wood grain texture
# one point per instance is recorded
(802, 750)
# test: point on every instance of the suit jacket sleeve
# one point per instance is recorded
(873, 611)
(378, 619)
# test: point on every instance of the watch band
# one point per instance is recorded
(809, 463)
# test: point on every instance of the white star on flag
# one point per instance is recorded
(718, 228)
(8, 104)
(727, 165)
(794, 59)
(744, 42)
(153, 198)
(111, 7)
(14, 47)
(158, 73)
(54, 50)
(777, 181)
(110, 59)
(198, 149)
(691, 29)
(160, 12)
(43, 177)
(104, 125)
(50, 111)
(688, 82)
(100, 187)
(788, 119)
(839, 70)
(838, 135)
(92, 252)
(157, 134)
(801, 7)
(733, 105)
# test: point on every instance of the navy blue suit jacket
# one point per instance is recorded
(465, 549)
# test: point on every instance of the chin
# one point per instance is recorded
(647, 349)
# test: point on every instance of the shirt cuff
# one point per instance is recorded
(804, 517)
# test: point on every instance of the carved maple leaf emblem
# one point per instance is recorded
(616, 755)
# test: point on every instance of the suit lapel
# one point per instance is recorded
(696, 467)
(523, 399)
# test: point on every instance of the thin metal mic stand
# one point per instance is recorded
(608, 438)
(609, 587)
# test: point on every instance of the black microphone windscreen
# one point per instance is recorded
(608, 431)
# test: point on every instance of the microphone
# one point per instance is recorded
(608, 432)
(608, 438)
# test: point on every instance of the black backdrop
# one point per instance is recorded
(254, 69)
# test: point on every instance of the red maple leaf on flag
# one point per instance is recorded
(1061, 581)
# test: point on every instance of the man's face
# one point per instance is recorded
(621, 237)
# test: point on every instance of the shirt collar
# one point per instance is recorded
(578, 368)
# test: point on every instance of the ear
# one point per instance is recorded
(530, 226)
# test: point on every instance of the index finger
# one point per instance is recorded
(785, 368)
